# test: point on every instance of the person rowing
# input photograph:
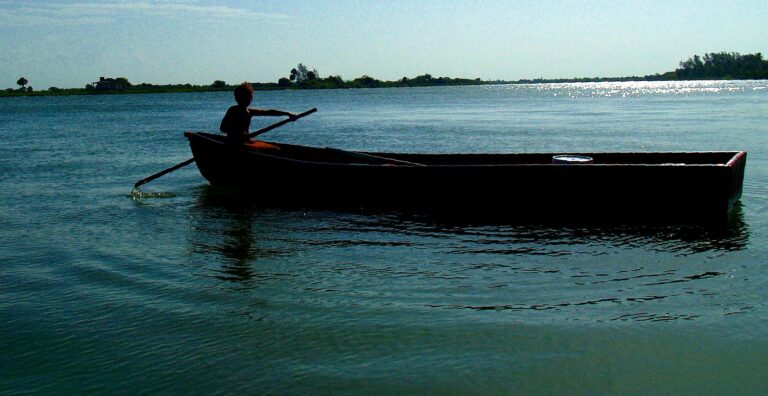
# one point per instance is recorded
(237, 120)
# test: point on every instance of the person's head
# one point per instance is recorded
(244, 94)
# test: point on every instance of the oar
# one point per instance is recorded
(250, 135)
(281, 123)
(370, 157)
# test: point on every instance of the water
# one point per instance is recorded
(185, 290)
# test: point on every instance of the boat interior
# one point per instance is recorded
(333, 155)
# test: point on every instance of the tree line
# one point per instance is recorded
(301, 77)
(724, 65)
(714, 66)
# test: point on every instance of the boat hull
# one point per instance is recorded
(615, 185)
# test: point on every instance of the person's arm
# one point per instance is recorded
(271, 112)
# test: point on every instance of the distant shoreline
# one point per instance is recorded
(332, 82)
(712, 66)
(261, 87)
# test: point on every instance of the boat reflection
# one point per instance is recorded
(246, 242)
(224, 228)
(682, 236)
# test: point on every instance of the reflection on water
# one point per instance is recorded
(358, 258)
(237, 247)
(234, 216)
(489, 235)
(636, 88)
(226, 230)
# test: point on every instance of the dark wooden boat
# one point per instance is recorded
(613, 184)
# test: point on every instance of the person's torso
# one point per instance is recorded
(236, 123)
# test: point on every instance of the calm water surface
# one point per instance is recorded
(192, 291)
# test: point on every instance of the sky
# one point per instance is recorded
(71, 43)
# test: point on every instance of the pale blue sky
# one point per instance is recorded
(70, 43)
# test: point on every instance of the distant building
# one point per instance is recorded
(110, 84)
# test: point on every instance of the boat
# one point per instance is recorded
(596, 185)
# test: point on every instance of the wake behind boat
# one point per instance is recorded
(689, 184)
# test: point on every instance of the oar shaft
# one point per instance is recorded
(163, 172)
(281, 123)
(370, 157)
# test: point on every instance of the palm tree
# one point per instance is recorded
(22, 82)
